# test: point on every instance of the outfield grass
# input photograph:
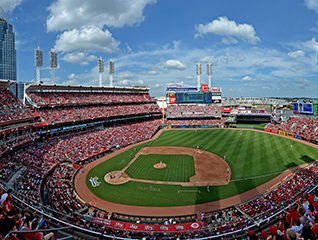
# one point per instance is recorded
(179, 168)
(254, 158)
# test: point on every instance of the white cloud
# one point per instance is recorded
(296, 54)
(229, 40)
(312, 5)
(124, 75)
(175, 64)
(89, 38)
(208, 59)
(128, 48)
(312, 44)
(79, 58)
(9, 5)
(125, 82)
(247, 78)
(152, 72)
(224, 27)
(69, 14)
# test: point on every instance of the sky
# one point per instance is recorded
(264, 48)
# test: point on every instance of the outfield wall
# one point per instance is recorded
(292, 135)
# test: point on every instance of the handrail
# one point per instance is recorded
(55, 230)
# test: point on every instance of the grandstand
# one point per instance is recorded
(44, 145)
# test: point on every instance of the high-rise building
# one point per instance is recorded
(8, 60)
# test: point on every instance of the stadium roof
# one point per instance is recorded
(6, 83)
(83, 88)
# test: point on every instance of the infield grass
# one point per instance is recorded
(179, 168)
(254, 158)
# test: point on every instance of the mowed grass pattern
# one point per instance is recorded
(179, 168)
(254, 158)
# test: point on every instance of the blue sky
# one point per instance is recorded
(258, 48)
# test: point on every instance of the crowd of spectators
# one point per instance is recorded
(215, 122)
(305, 127)
(84, 98)
(59, 185)
(11, 109)
(90, 112)
(176, 111)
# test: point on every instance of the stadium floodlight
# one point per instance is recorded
(53, 64)
(111, 72)
(198, 72)
(101, 69)
(38, 63)
(209, 72)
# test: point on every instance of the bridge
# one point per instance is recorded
(228, 101)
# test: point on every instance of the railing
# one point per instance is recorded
(54, 230)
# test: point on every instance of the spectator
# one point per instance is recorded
(8, 223)
(4, 196)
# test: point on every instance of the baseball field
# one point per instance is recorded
(253, 158)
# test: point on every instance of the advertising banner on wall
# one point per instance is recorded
(148, 227)
(295, 108)
(315, 108)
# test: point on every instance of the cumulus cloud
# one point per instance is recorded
(208, 59)
(312, 44)
(296, 54)
(125, 82)
(224, 27)
(175, 64)
(312, 5)
(89, 38)
(9, 6)
(229, 40)
(247, 78)
(79, 58)
(69, 14)
(151, 72)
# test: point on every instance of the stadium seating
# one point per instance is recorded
(51, 162)
(177, 111)
(305, 127)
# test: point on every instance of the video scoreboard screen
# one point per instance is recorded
(179, 93)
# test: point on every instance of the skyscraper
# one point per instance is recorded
(8, 60)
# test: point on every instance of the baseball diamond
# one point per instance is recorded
(255, 160)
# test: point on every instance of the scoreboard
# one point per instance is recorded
(194, 97)
(177, 94)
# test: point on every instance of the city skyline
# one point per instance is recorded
(258, 49)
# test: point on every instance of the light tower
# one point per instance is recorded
(53, 64)
(38, 63)
(209, 72)
(198, 71)
(111, 72)
(101, 69)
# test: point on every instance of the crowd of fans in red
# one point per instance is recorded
(215, 122)
(176, 111)
(11, 109)
(85, 98)
(306, 127)
(80, 113)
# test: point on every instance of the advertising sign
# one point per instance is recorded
(305, 108)
(295, 108)
(315, 108)
(204, 88)
(148, 227)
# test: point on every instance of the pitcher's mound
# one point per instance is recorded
(113, 178)
(159, 166)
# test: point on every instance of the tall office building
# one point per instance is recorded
(8, 60)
